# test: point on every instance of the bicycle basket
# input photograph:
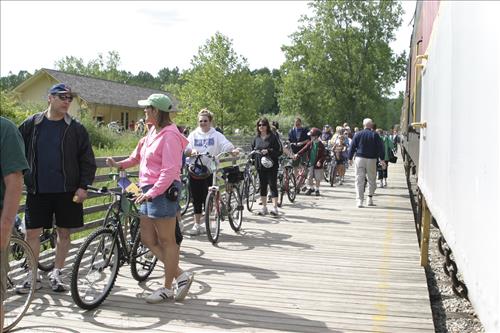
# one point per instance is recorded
(232, 174)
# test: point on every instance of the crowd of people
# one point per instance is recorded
(54, 153)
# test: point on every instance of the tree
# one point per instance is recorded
(99, 68)
(266, 95)
(11, 81)
(220, 81)
(339, 66)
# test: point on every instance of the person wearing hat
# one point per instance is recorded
(315, 150)
(62, 165)
(159, 156)
(203, 139)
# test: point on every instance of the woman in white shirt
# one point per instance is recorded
(203, 139)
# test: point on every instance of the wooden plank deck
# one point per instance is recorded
(322, 266)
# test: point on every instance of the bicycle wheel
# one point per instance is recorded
(185, 196)
(21, 263)
(281, 188)
(256, 181)
(235, 209)
(142, 260)
(291, 191)
(95, 269)
(326, 171)
(250, 192)
(333, 174)
(213, 216)
(48, 240)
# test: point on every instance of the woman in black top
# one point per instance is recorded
(269, 149)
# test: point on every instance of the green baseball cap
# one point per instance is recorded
(160, 101)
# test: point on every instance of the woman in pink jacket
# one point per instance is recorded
(159, 155)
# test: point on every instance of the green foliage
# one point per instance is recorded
(15, 111)
(11, 81)
(340, 65)
(107, 141)
(220, 81)
(265, 85)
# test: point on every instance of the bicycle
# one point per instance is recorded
(21, 262)
(185, 195)
(301, 177)
(286, 181)
(48, 240)
(106, 250)
(219, 205)
(248, 189)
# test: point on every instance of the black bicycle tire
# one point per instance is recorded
(291, 194)
(187, 188)
(281, 188)
(110, 211)
(235, 194)
(27, 252)
(333, 173)
(250, 198)
(133, 261)
(209, 206)
(326, 171)
(52, 243)
(74, 272)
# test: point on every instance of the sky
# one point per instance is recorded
(151, 35)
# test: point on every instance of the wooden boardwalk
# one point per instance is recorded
(322, 266)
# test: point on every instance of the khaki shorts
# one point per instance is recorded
(4, 268)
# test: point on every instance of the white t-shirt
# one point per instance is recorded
(212, 142)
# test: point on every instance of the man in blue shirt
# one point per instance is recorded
(368, 146)
(62, 165)
(297, 136)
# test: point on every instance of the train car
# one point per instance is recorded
(450, 141)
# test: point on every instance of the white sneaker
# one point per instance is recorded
(160, 295)
(183, 284)
(370, 201)
(359, 203)
(56, 282)
(197, 229)
(274, 211)
(263, 211)
(25, 287)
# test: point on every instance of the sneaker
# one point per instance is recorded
(360, 203)
(183, 284)
(25, 287)
(269, 200)
(317, 193)
(160, 295)
(55, 280)
(197, 229)
(274, 211)
(370, 201)
(309, 191)
(263, 211)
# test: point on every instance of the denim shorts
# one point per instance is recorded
(160, 207)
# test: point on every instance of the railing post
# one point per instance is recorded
(425, 234)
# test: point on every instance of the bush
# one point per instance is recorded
(15, 111)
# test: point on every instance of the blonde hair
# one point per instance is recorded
(206, 113)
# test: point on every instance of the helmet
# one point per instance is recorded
(266, 162)
(314, 132)
(198, 170)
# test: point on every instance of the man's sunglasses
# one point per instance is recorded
(65, 97)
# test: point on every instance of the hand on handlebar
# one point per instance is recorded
(112, 163)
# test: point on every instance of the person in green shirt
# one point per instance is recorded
(315, 150)
(12, 165)
(388, 146)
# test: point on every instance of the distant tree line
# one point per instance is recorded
(339, 67)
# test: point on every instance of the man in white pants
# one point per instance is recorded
(368, 146)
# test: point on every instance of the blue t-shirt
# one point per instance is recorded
(50, 175)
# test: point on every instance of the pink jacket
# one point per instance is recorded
(159, 157)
